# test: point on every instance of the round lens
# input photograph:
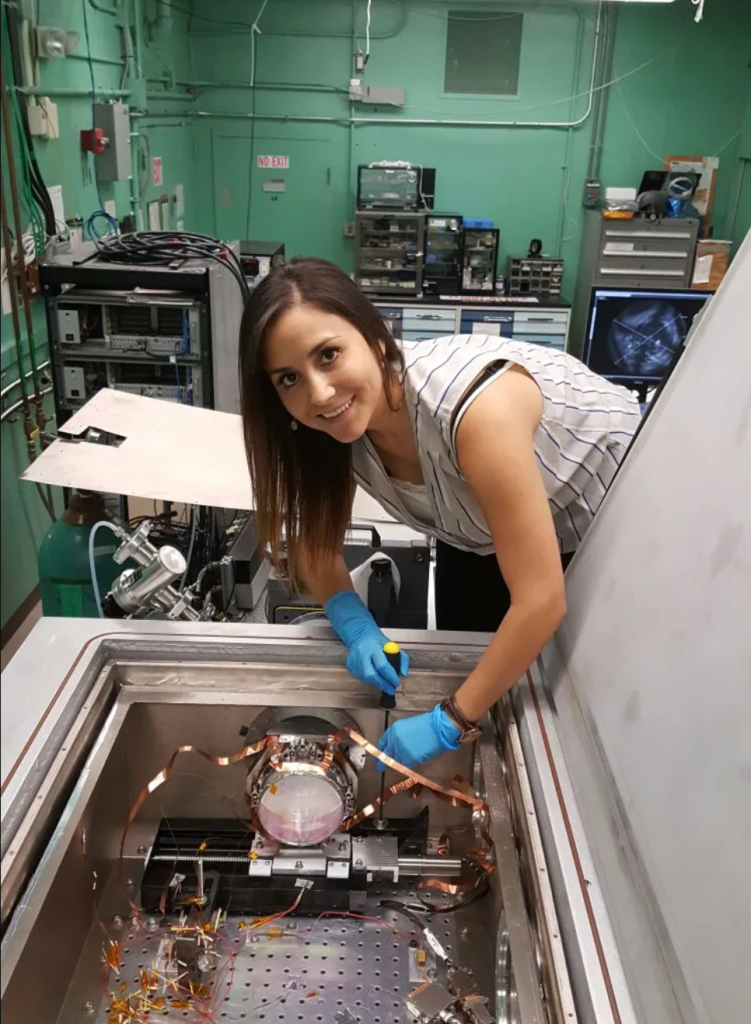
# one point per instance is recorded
(301, 810)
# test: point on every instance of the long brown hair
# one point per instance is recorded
(302, 479)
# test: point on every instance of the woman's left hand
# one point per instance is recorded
(415, 740)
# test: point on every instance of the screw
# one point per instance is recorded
(129, 883)
(141, 850)
(117, 921)
(358, 863)
(152, 925)
(88, 1008)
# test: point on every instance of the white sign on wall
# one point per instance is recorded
(273, 162)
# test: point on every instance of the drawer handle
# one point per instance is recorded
(428, 316)
(497, 319)
(540, 320)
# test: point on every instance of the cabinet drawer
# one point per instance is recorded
(425, 335)
(653, 231)
(658, 270)
(657, 248)
(551, 340)
(427, 319)
(539, 327)
(544, 316)
(488, 316)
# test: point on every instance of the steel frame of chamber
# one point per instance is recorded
(96, 674)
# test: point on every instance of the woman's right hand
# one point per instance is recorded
(356, 627)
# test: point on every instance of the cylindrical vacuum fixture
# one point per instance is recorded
(135, 588)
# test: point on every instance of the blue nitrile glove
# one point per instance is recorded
(412, 741)
(356, 627)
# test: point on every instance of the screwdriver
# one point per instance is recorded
(388, 703)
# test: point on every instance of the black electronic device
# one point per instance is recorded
(259, 258)
(427, 188)
(443, 253)
(384, 186)
(652, 181)
(285, 605)
(633, 336)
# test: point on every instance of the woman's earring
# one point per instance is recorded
(293, 425)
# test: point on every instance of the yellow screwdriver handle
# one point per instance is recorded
(394, 657)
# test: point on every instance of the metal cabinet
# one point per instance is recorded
(537, 324)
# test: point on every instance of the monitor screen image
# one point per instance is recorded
(634, 335)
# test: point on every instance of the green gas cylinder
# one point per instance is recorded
(63, 562)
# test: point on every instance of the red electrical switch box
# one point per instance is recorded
(93, 140)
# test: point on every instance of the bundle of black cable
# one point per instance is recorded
(170, 247)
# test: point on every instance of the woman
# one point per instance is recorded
(501, 450)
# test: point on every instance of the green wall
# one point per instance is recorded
(682, 87)
(24, 519)
(687, 96)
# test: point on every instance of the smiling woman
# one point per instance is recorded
(317, 364)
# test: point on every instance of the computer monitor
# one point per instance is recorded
(633, 336)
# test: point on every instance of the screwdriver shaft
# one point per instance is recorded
(379, 823)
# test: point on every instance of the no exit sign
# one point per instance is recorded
(273, 162)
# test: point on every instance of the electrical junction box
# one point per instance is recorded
(74, 382)
(591, 197)
(375, 95)
(69, 327)
(114, 121)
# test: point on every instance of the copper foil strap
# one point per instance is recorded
(416, 779)
(164, 774)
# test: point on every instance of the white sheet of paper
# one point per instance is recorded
(702, 269)
(55, 192)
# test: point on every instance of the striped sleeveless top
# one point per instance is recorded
(586, 426)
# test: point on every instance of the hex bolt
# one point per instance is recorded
(88, 1008)
(117, 921)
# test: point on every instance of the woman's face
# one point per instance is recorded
(325, 373)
